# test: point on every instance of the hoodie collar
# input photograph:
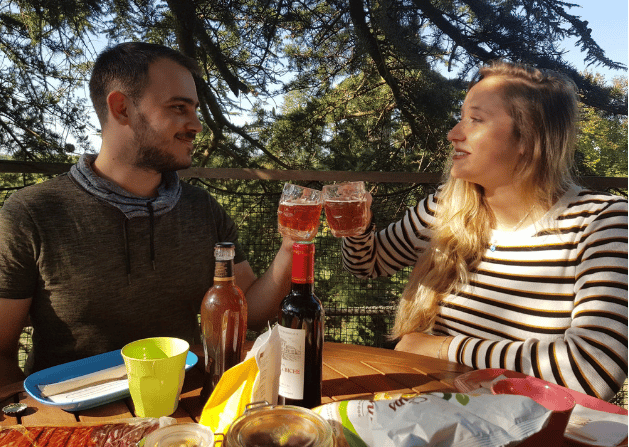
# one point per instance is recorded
(168, 192)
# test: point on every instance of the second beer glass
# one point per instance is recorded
(346, 208)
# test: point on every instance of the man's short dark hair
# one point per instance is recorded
(125, 67)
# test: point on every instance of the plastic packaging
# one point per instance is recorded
(443, 419)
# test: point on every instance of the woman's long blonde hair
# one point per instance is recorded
(544, 108)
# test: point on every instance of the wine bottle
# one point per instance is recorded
(300, 327)
(223, 319)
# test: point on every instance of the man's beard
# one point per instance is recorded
(152, 157)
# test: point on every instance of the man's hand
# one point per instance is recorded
(13, 317)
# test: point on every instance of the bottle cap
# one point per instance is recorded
(224, 251)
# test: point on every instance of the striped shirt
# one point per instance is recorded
(549, 300)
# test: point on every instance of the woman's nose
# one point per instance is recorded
(455, 132)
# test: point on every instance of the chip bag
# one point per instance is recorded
(253, 380)
(435, 419)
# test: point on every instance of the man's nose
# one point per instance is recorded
(195, 124)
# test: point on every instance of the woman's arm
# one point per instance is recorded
(386, 252)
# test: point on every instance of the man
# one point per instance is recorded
(119, 249)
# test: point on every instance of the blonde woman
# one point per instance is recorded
(515, 266)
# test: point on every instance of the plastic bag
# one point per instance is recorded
(253, 380)
(443, 419)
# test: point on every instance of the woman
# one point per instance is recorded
(515, 266)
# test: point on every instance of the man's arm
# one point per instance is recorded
(13, 317)
(265, 293)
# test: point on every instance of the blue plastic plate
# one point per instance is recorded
(109, 393)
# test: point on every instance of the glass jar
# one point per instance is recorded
(279, 425)
(180, 435)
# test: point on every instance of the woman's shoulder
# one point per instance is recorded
(585, 198)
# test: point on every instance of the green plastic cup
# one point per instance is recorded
(155, 369)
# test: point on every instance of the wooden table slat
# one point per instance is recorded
(120, 409)
(42, 414)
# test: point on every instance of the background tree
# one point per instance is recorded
(602, 144)
(362, 79)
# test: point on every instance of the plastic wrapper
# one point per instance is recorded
(253, 380)
(126, 433)
(435, 419)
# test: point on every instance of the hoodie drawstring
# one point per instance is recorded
(125, 235)
(152, 233)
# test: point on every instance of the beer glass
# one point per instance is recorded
(346, 208)
(299, 212)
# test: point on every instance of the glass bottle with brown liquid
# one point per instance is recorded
(223, 319)
(300, 327)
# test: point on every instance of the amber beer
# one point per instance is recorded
(346, 217)
(223, 319)
(299, 212)
(298, 220)
(346, 208)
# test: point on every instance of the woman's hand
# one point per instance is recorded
(424, 344)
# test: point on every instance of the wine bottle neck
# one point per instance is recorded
(302, 289)
(303, 265)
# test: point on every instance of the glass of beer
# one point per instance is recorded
(299, 212)
(346, 208)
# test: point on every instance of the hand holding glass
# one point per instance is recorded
(346, 208)
(299, 212)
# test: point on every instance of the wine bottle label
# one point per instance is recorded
(293, 343)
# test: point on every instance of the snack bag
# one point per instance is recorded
(253, 380)
(443, 419)
(231, 395)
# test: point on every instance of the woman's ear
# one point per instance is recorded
(521, 148)
(118, 104)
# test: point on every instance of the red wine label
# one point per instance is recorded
(293, 343)
(303, 263)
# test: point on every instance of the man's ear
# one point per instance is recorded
(118, 104)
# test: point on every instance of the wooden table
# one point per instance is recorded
(349, 372)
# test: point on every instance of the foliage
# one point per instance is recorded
(43, 63)
(602, 144)
(336, 84)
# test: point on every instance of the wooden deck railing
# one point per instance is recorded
(10, 166)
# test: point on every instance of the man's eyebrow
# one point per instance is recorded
(185, 99)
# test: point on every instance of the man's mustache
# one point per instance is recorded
(187, 135)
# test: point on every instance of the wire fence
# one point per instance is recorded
(357, 311)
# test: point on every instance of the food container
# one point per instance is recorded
(279, 426)
(180, 435)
